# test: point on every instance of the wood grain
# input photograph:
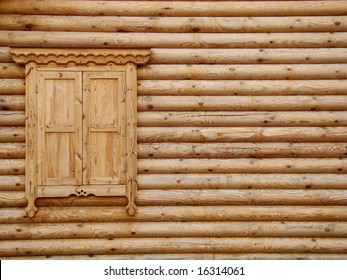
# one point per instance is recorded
(12, 102)
(12, 134)
(12, 183)
(12, 86)
(12, 150)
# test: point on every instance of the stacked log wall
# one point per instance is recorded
(242, 131)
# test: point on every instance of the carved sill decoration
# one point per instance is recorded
(73, 57)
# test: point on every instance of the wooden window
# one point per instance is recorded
(81, 123)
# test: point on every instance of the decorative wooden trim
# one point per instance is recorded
(80, 56)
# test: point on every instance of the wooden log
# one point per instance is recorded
(171, 40)
(172, 229)
(241, 181)
(245, 56)
(243, 165)
(242, 150)
(12, 166)
(12, 102)
(231, 118)
(307, 87)
(202, 256)
(12, 199)
(177, 213)
(12, 150)
(242, 72)
(172, 24)
(12, 86)
(12, 183)
(12, 118)
(5, 54)
(241, 134)
(172, 245)
(11, 71)
(169, 8)
(12, 134)
(241, 197)
(235, 103)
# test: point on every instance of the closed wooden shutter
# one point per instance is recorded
(60, 128)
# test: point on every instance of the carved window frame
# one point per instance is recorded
(36, 59)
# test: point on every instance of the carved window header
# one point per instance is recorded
(80, 56)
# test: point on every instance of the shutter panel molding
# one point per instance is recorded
(81, 122)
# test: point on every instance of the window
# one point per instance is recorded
(81, 123)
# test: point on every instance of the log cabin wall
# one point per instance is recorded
(241, 131)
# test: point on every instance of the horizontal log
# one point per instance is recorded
(173, 245)
(172, 229)
(233, 103)
(5, 54)
(241, 134)
(245, 56)
(277, 165)
(12, 86)
(12, 199)
(11, 71)
(172, 24)
(307, 87)
(242, 72)
(12, 134)
(179, 8)
(202, 256)
(12, 183)
(241, 181)
(12, 150)
(241, 150)
(12, 102)
(12, 118)
(171, 40)
(241, 197)
(232, 118)
(12, 166)
(115, 213)
(17, 199)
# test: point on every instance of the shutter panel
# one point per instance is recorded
(60, 128)
(103, 128)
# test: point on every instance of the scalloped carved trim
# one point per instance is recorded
(80, 56)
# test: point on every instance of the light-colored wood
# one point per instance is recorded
(12, 150)
(173, 245)
(244, 56)
(173, 24)
(231, 119)
(79, 56)
(172, 229)
(12, 86)
(241, 181)
(241, 134)
(12, 166)
(203, 87)
(242, 72)
(55, 39)
(113, 213)
(131, 137)
(103, 126)
(241, 197)
(11, 71)
(13, 199)
(60, 106)
(179, 8)
(12, 118)
(277, 165)
(201, 256)
(241, 150)
(241, 103)
(81, 190)
(12, 183)
(12, 102)
(5, 54)
(12, 134)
